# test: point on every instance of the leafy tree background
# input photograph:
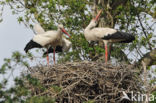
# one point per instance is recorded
(133, 16)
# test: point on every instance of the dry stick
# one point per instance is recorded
(145, 80)
(85, 74)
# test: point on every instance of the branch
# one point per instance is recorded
(148, 11)
(122, 57)
(116, 3)
(143, 29)
(149, 58)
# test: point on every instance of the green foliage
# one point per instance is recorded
(18, 93)
(154, 93)
(56, 88)
(132, 16)
(41, 99)
(14, 94)
(16, 59)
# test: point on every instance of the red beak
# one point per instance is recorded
(98, 15)
(63, 30)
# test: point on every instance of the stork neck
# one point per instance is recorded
(89, 27)
(59, 31)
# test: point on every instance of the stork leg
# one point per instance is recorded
(106, 53)
(47, 57)
(54, 55)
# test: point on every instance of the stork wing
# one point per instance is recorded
(121, 37)
(101, 32)
(66, 44)
(38, 29)
(43, 40)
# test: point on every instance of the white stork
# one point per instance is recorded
(63, 47)
(106, 35)
(46, 39)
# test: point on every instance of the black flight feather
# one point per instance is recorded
(123, 36)
(31, 44)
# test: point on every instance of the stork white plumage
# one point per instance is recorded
(39, 30)
(106, 35)
(44, 39)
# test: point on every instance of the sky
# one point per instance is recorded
(13, 36)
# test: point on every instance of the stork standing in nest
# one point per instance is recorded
(45, 39)
(106, 35)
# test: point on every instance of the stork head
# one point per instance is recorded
(61, 27)
(98, 15)
(94, 21)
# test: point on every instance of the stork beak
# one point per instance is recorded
(63, 30)
(98, 15)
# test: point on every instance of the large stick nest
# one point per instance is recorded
(78, 82)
